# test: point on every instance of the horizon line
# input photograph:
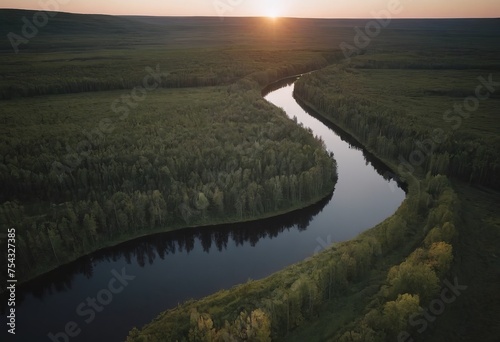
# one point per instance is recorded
(251, 16)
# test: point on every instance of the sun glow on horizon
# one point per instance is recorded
(272, 15)
(270, 9)
(273, 9)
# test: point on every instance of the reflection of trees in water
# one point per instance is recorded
(370, 159)
(145, 250)
(279, 84)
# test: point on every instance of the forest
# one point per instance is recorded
(277, 306)
(78, 174)
(88, 163)
(458, 146)
(378, 286)
(183, 158)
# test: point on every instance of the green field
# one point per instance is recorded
(203, 147)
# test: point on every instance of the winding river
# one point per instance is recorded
(137, 280)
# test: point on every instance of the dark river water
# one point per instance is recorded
(102, 296)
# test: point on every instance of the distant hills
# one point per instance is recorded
(68, 23)
(126, 31)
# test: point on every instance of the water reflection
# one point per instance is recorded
(370, 159)
(279, 84)
(171, 268)
(145, 250)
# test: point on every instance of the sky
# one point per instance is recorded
(285, 8)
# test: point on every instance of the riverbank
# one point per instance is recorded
(99, 222)
(311, 281)
(300, 292)
(247, 251)
(397, 266)
(125, 239)
(70, 182)
(474, 220)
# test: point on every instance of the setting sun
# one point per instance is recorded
(272, 14)
(273, 9)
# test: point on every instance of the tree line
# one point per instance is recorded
(301, 292)
(460, 154)
(64, 76)
(229, 158)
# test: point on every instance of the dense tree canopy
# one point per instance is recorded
(183, 157)
(365, 103)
